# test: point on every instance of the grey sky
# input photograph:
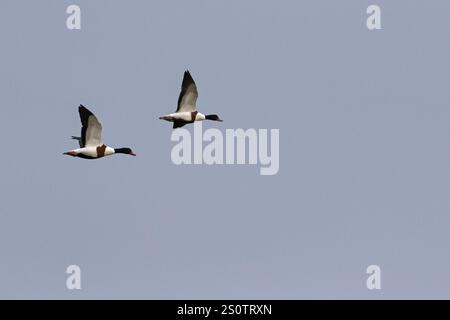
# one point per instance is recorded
(364, 119)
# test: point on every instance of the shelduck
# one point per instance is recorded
(186, 110)
(91, 146)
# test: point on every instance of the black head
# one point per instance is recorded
(213, 117)
(125, 151)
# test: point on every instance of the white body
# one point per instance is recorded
(184, 116)
(91, 151)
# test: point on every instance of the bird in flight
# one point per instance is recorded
(186, 110)
(91, 145)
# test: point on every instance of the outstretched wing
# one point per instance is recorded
(91, 130)
(188, 95)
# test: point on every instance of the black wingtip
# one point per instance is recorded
(178, 124)
(187, 78)
(84, 110)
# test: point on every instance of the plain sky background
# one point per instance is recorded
(364, 119)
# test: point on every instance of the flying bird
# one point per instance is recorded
(91, 145)
(186, 110)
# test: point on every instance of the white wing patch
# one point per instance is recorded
(189, 99)
(188, 95)
(93, 132)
